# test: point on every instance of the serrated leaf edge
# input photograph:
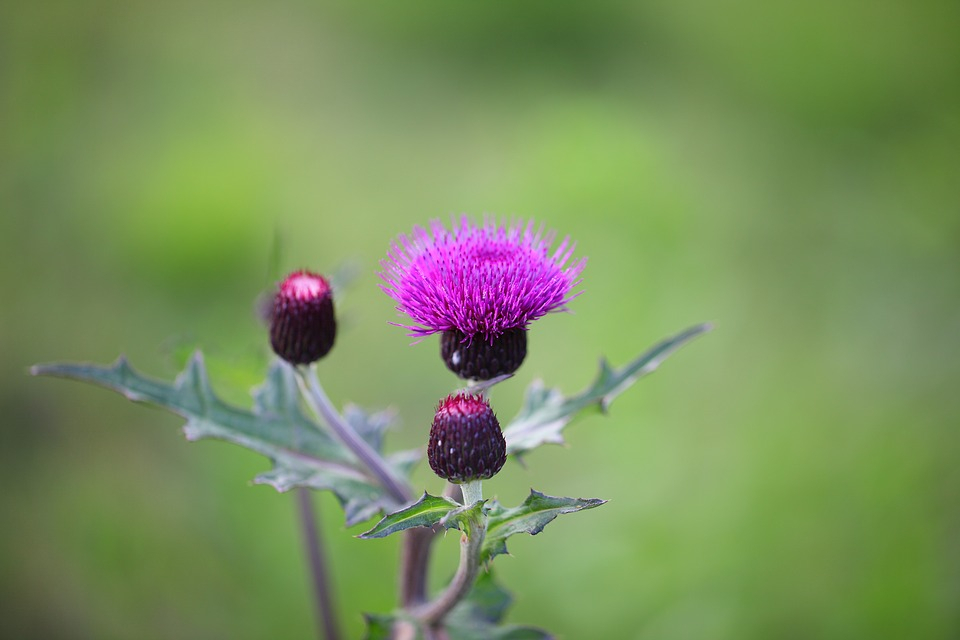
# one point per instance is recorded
(382, 529)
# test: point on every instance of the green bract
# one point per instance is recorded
(303, 454)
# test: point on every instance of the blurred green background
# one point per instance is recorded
(789, 171)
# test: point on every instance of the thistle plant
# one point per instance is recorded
(480, 287)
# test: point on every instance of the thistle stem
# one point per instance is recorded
(471, 543)
(472, 492)
(317, 399)
(319, 570)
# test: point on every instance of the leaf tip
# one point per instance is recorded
(371, 534)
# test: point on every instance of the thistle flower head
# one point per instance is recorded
(466, 443)
(302, 323)
(478, 280)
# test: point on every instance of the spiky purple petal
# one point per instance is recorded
(478, 280)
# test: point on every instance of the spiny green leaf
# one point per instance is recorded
(546, 412)
(302, 453)
(426, 512)
(531, 517)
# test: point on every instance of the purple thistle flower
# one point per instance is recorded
(479, 284)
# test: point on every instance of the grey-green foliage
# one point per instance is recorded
(546, 412)
(303, 454)
(531, 516)
(306, 455)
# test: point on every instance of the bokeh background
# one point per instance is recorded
(790, 171)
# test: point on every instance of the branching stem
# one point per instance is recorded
(470, 546)
(472, 492)
(317, 399)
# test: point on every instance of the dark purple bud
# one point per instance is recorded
(302, 324)
(466, 443)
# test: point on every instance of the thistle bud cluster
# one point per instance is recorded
(479, 287)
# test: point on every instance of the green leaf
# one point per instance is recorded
(536, 512)
(546, 412)
(302, 453)
(426, 512)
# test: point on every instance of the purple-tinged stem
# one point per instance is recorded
(415, 557)
(319, 569)
(433, 612)
(320, 403)
(414, 564)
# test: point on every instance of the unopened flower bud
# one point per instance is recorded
(302, 323)
(466, 443)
